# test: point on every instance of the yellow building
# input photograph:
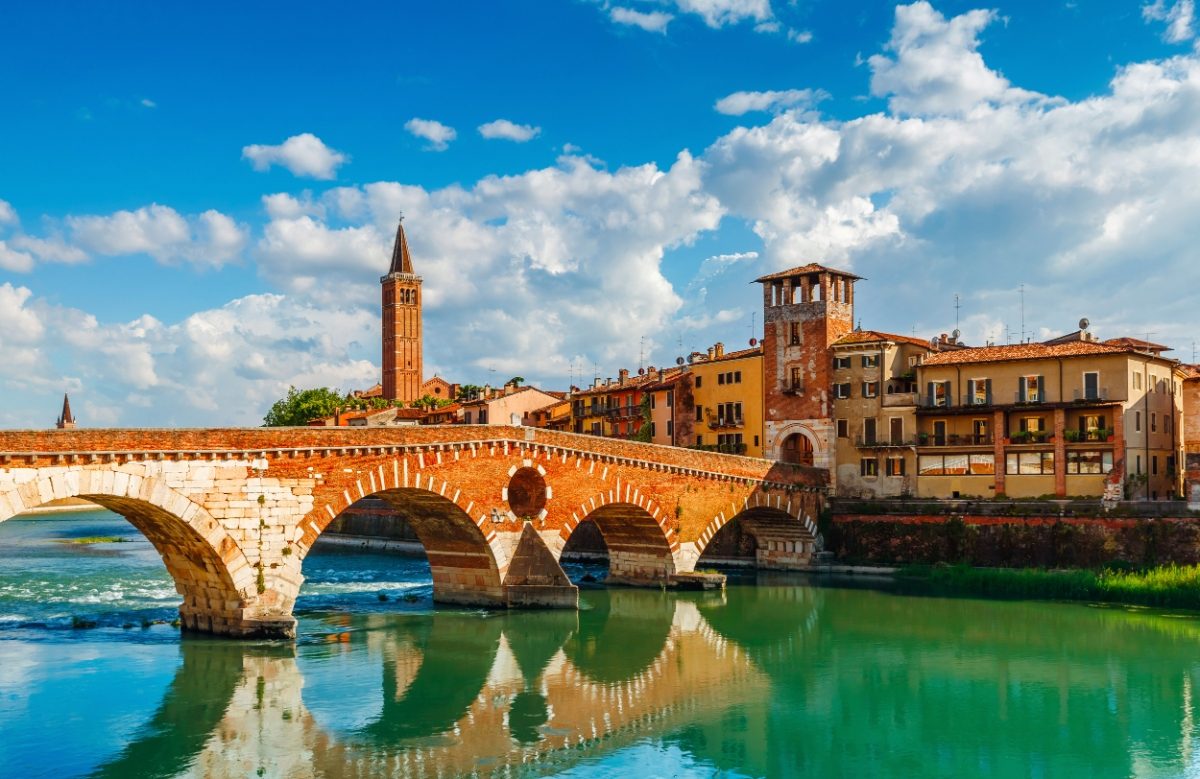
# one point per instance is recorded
(1072, 416)
(728, 398)
(874, 391)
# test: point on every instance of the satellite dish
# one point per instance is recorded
(641, 371)
(754, 342)
(1083, 323)
(691, 358)
(679, 361)
(933, 342)
(956, 334)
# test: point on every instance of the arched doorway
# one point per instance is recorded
(797, 448)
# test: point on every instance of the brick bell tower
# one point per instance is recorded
(805, 310)
(402, 372)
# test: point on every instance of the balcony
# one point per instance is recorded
(954, 439)
(896, 399)
(865, 442)
(1091, 396)
(1029, 398)
(725, 422)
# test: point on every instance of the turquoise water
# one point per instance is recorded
(771, 678)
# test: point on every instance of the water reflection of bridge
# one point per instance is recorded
(770, 680)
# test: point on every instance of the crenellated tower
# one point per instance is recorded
(402, 370)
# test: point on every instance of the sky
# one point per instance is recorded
(197, 201)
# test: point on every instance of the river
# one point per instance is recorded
(774, 677)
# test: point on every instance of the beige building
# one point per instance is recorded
(874, 391)
(1069, 417)
(507, 407)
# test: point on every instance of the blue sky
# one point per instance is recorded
(170, 257)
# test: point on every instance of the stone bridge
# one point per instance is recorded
(234, 512)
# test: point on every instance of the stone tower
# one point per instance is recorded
(805, 310)
(66, 420)
(402, 372)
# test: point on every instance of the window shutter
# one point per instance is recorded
(1024, 391)
(970, 392)
(929, 393)
(1024, 425)
(988, 390)
(1041, 389)
(949, 400)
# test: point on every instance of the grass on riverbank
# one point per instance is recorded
(1169, 586)
(92, 540)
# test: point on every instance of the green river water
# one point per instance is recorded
(774, 677)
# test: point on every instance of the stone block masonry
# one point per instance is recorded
(235, 512)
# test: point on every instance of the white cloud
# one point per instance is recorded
(1179, 16)
(209, 239)
(937, 68)
(13, 260)
(652, 21)
(148, 103)
(799, 36)
(303, 155)
(52, 249)
(7, 214)
(718, 13)
(740, 103)
(438, 134)
(509, 131)
(284, 206)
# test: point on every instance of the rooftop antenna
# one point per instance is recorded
(956, 307)
(1022, 313)
(1193, 352)
(753, 322)
(642, 353)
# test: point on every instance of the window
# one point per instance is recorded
(670, 398)
(979, 431)
(939, 393)
(1085, 462)
(483, 416)
(869, 431)
(1091, 386)
(841, 362)
(870, 389)
(1154, 465)
(1153, 422)
(699, 381)
(956, 465)
(931, 465)
(914, 361)
(729, 413)
(895, 466)
(1139, 463)
(1030, 463)
(1168, 423)
(1137, 381)
(843, 428)
(1033, 424)
(652, 396)
(841, 391)
(720, 378)
(652, 433)
(979, 392)
(1032, 389)
(699, 413)
(939, 432)
(795, 334)
(870, 361)
(737, 377)
(670, 429)
(868, 466)
(699, 440)
(1137, 421)
(731, 443)
(797, 378)
(896, 429)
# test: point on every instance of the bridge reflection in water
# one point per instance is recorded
(770, 680)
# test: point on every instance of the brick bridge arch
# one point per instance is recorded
(209, 569)
(262, 497)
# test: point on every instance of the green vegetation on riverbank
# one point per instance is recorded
(1169, 586)
(92, 540)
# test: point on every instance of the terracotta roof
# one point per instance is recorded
(1138, 344)
(1190, 372)
(401, 259)
(410, 413)
(874, 336)
(751, 352)
(812, 267)
(1031, 351)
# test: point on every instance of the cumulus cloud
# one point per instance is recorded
(438, 134)
(718, 13)
(509, 131)
(1179, 17)
(14, 260)
(8, 216)
(740, 103)
(51, 249)
(208, 239)
(935, 67)
(651, 21)
(303, 155)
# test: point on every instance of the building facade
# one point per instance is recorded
(805, 310)
(728, 400)
(402, 336)
(1071, 417)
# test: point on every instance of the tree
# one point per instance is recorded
(428, 402)
(468, 392)
(516, 381)
(299, 407)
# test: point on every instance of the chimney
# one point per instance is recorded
(711, 351)
(623, 375)
(597, 383)
(720, 349)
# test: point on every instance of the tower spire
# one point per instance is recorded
(401, 259)
(66, 420)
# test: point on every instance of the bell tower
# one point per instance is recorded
(402, 372)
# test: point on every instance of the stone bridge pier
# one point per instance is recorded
(234, 513)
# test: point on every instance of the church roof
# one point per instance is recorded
(66, 417)
(401, 259)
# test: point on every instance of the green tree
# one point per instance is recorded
(427, 402)
(299, 407)
(468, 392)
(516, 381)
(643, 433)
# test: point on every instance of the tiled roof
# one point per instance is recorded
(874, 336)
(812, 267)
(401, 259)
(1031, 351)
(1139, 344)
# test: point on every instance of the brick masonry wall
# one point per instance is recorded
(1013, 542)
(235, 512)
